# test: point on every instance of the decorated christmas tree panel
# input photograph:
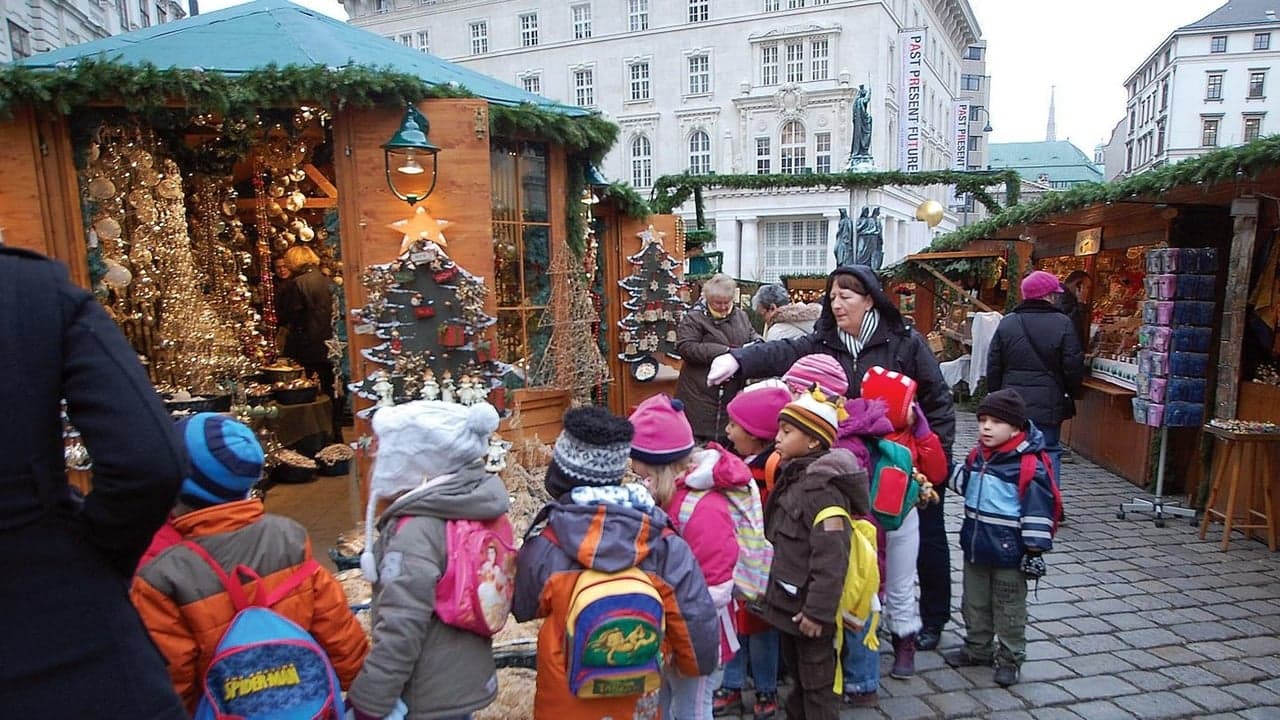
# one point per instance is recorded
(653, 306)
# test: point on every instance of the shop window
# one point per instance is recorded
(699, 10)
(641, 162)
(1252, 128)
(1209, 132)
(529, 29)
(480, 37)
(699, 153)
(1257, 84)
(769, 65)
(1213, 87)
(581, 21)
(1262, 41)
(522, 249)
(794, 247)
(763, 156)
(639, 79)
(822, 152)
(792, 147)
(1218, 44)
(638, 15)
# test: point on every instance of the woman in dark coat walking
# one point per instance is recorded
(861, 327)
(1036, 351)
(714, 325)
(71, 644)
(306, 311)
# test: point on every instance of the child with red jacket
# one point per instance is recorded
(910, 427)
(752, 427)
(680, 477)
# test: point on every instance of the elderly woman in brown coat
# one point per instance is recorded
(714, 325)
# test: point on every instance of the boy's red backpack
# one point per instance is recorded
(475, 591)
(265, 665)
(1027, 473)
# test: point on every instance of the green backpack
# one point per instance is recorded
(894, 488)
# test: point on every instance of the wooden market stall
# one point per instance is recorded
(224, 134)
(1224, 201)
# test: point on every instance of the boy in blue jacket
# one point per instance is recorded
(1010, 511)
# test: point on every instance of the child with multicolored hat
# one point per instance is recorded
(810, 555)
(596, 524)
(698, 489)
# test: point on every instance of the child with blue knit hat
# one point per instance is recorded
(179, 594)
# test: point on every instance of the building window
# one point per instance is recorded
(405, 39)
(794, 247)
(161, 16)
(1262, 41)
(795, 62)
(424, 40)
(529, 30)
(19, 40)
(820, 59)
(699, 10)
(532, 84)
(769, 65)
(772, 5)
(974, 52)
(581, 21)
(699, 75)
(641, 162)
(822, 152)
(1257, 83)
(1218, 44)
(638, 15)
(146, 16)
(639, 72)
(1164, 95)
(1160, 138)
(480, 37)
(1209, 132)
(792, 147)
(584, 87)
(1213, 90)
(699, 153)
(975, 143)
(764, 155)
(522, 249)
(381, 6)
(972, 83)
(1252, 127)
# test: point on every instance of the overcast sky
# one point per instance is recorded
(1085, 47)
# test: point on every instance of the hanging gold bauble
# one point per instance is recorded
(107, 228)
(101, 188)
(930, 211)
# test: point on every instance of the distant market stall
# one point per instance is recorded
(171, 167)
(1184, 302)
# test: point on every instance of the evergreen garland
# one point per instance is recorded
(1240, 163)
(627, 199)
(670, 191)
(146, 90)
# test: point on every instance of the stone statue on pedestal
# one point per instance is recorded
(845, 250)
(860, 148)
(870, 248)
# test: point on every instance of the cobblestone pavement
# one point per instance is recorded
(1132, 621)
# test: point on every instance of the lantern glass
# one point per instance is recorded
(406, 155)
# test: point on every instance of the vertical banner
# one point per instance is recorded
(910, 98)
(960, 136)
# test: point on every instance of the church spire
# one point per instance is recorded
(1051, 132)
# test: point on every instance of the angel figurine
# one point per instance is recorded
(466, 391)
(447, 388)
(385, 391)
(430, 388)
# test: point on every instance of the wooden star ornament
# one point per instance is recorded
(420, 226)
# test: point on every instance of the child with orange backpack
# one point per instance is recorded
(711, 498)
(752, 427)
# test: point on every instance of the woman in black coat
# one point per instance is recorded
(71, 643)
(306, 311)
(861, 327)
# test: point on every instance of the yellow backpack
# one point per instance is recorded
(858, 606)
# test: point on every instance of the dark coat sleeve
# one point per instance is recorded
(933, 392)
(138, 460)
(1072, 361)
(771, 359)
(995, 360)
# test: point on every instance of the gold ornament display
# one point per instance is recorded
(931, 212)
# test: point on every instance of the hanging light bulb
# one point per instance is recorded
(410, 165)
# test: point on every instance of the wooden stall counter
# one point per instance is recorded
(1103, 431)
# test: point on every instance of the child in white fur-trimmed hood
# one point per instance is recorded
(430, 464)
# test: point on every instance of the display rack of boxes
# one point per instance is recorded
(1177, 318)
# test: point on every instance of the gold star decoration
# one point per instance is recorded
(421, 226)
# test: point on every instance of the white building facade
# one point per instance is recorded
(36, 26)
(735, 86)
(1211, 84)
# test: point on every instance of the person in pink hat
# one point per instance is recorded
(1037, 352)
(695, 487)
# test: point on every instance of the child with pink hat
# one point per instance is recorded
(681, 478)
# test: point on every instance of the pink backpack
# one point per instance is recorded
(474, 593)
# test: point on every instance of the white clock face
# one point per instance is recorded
(646, 371)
